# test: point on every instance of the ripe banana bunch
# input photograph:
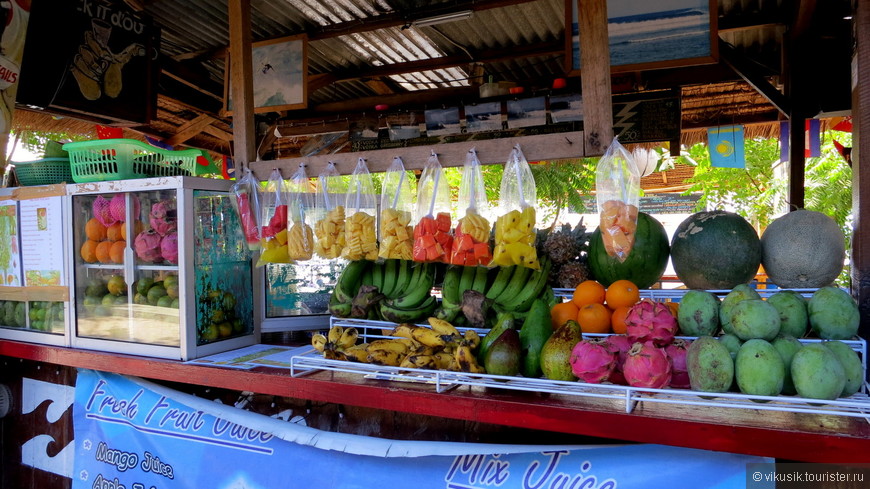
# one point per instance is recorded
(515, 239)
(336, 342)
(397, 236)
(360, 237)
(300, 241)
(330, 234)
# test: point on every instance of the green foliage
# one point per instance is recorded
(35, 141)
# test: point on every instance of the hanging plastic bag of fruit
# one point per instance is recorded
(273, 236)
(471, 236)
(247, 205)
(432, 238)
(329, 213)
(300, 235)
(515, 226)
(395, 234)
(360, 230)
(617, 186)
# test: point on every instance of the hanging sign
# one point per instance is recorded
(136, 435)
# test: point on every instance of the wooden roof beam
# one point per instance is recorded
(751, 74)
(190, 129)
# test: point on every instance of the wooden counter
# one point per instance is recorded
(788, 436)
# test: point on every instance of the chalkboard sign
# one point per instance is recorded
(647, 118)
(94, 57)
(664, 203)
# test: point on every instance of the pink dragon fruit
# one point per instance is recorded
(676, 352)
(591, 361)
(147, 246)
(118, 207)
(101, 211)
(650, 321)
(647, 366)
(169, 248)
(162, 217)
(619, 345)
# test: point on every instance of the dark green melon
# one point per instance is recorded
(715, 250)
(644, 265)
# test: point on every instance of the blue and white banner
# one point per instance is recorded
(132, 434)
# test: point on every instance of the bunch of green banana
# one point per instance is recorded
(410, 299)
(336, 342)
(395, 290)
(457, 280)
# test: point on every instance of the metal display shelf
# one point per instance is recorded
(672, 294)
(857, 405)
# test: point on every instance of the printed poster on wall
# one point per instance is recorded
(42, 241)
(10, 252)
(134, 434)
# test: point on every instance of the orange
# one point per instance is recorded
(113, 232)
(622, 293)
(116, 252)
(617, 319)
(561, 313)
(674, 307)
(588, 292)
(89, 251)
(95, 230)
(137, 228)
(594, 318)
(102, 251)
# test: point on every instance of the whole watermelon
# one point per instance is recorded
(644, 265)
(715, 250)
(803, 249)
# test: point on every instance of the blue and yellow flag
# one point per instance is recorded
(725, 144)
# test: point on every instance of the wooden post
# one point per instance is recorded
(595, 76)
(241, 82)
(860, 175)
(796, 159)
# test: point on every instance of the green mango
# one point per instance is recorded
(535, 331)
(503, 321)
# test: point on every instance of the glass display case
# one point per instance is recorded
(297, 295)
(161, 268)
(34, 291)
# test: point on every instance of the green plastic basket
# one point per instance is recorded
(46, 171)
(124, 159)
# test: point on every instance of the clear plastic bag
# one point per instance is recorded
(300, 235)
(617, 184)
(247, 205)
(360, 230)
(515, 227)
(471, 236)
(395, 233)
(329, 213)
(432, 238)
(273, 236)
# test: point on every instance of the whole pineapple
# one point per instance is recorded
(567, 248)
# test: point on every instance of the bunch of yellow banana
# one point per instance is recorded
(360, 237)
(330, 234)
(475, 225)
(439, 347)
(397, 237)
(300, 241)
(515, 239)
(336, 342)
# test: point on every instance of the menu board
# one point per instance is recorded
(10, 252)
(42, 241)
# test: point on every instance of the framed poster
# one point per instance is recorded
(42, 241)
(646, 35)
(10, 251)
(94, 58)
(483, 117)
(280, 75)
